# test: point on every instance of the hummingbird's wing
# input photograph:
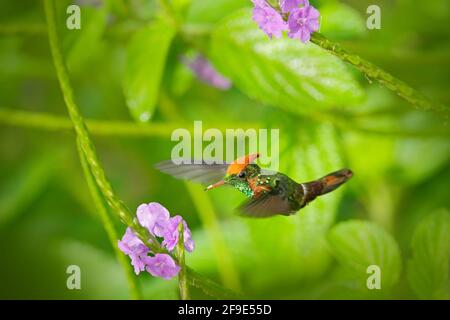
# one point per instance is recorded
(203, 173)
(266, 205)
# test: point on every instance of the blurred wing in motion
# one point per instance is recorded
(203, 173)
(266, 205)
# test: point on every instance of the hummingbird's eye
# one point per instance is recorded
(241, 174)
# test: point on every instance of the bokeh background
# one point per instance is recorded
(122, 63)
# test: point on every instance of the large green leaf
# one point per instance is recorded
(360, 244)
(147, 52)
(281, 72)
(86, 43)
(429, 267)
(340, 21)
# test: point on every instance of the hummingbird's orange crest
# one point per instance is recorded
(239, 164)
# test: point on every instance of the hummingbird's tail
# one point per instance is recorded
(325, 184)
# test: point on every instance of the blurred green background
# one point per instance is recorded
(329, 115)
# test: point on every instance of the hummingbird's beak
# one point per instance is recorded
(215, 185)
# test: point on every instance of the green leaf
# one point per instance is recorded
(340, 21)
(87, 40)
(202, 11)
(147, 52)
(281, 72)
(360, 244)
(23, 187)
(429, 267)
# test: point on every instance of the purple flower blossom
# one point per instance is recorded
(268, 19)
(171, 234)
(206, 73)
(132, 246)
(162, 265)
(289, 5)
(154, 217)
(302, 22)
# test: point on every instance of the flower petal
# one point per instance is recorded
(162, 265)
(154, 217)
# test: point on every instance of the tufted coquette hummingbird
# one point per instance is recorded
(269, 192)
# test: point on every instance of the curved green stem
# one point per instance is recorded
(371, 71)
(77, 120)
(88, 151)
(83, 135)
(109, 226)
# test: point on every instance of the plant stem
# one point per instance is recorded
(371, 71)
(88, 150)
(50, 122)
(23, 28)
(182, 279)
(83, 135)
(109, 226)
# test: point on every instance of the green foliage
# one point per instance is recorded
(89, 36)
(281, 72)
(125, 61)
(429, 266)
(340, 21)
(213, 11)
(24, 186)
(360, 244)
(145, 67)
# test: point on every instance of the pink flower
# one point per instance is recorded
(268, 19)
(206, 72)
(132, 246)
(154, 217)
(162, 265)
(289, 5)
(171, 234)
(302, 22)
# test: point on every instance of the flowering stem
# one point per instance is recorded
(182, 279)
(371, 71)
(108, 225)
(82, 132)
(80, 127)
(87, 148)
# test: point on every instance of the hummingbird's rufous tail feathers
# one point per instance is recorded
(333, 180)
(325, 184)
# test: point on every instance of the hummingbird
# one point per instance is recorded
(269, 193)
